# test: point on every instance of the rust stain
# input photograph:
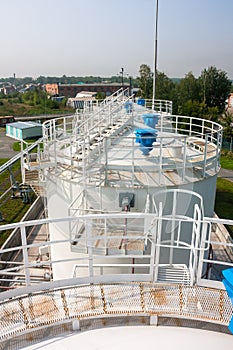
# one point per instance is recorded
(46, 305)
(159, 296)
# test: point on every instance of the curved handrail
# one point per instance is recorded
(74, 140)
(56, 306)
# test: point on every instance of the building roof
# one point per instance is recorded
(81, 98)
(86, 94)
(24, 125)
(94, 84)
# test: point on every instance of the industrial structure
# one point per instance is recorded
(131, 237)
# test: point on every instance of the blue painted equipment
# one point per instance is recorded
(228, 283)
(128, 107)
(145, 137)
(141, 102)
(151, 119)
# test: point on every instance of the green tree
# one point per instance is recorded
(193, 109)
(145, 81)
(50, 103)
(188, 89)
(215, 86)
(100, 96)
(211, 113)
(164, 86)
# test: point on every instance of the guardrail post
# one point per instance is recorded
(176, 129)
(64, 125)
(105, 148)
(158, 243)
(154, 320)
(218, 149)
(203, 249)
(89, 247)
(160, 159)
(190, 126)
(22, 162)
(203, 128)
(76, 325)
(25, 254)
(133, 162)
(184, 158)
(205, 155)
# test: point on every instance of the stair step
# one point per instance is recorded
(174, 274)
(32, 179)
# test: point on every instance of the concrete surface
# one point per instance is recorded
(6, 143)
(226, 174)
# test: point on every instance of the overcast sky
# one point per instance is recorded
(99, 37)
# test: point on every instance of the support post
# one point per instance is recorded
(25, 254)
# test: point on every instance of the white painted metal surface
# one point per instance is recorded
(139, 337)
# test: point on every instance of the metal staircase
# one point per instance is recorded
(76, 140)
(32, 179)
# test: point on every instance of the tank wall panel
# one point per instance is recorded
(62, 192)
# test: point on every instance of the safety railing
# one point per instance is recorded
(170, 152)
(220, 252)
(26, 148)
(160, 106)
(26, 314)
(82, 122)
(131, 238)
(70, 139)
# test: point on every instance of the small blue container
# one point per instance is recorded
(145, 138)
(128, 107)
(141, 102)
(151, 119)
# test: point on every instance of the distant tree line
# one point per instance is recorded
(202, 97)
(67, 80)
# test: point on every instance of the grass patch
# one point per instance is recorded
(224, 201)
(14, 107)
(17, 145)
(226, 160)
(12, 210)
(5, 181)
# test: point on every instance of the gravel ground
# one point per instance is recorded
(6, 143)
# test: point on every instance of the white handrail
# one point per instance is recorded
(11, 269)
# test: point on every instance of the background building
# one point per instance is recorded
(23, 130)
(71, 90)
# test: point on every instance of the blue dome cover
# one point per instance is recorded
(145, 137)
(151, 119)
